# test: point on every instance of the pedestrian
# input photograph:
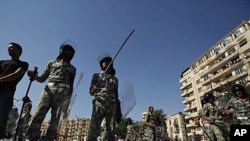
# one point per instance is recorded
(24, 120)
(150, 123)
(58, 90)
(214, 126)
(131, 133)
(238, 106)
(104, 88)
(11, 72)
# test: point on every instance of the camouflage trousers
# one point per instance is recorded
(149, 134)
(102, 109)
(216, 132)
(130, 137)
(51, 97)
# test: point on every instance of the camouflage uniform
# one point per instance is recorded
(57, 91)
(150, 133)
(240, 111)
(12, 122)
(200, 122)
(130, 133)
(215, 130)
(162, 134)
(104, 87)
(103, 106)
(23, 124)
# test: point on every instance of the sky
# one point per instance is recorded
(169, 35)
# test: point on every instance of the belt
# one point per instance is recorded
(63, 85)
(218, 121)
(242, 117)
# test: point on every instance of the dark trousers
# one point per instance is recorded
(6, 103)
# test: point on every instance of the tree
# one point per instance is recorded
(121, 128)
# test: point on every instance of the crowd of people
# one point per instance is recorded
(56, 95)
(216, 120)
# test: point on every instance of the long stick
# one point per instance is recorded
(114, 57)
(21, 112)
(119, 50)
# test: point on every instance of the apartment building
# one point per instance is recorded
(75, 129)
(227, 61)
(176, 127)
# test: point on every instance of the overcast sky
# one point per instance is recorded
(169, 35)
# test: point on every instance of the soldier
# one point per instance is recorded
(150, 124)
(131, 133)
(11, 72)
(58, 90)
(163, 135)
(24, 120)
(213, 124)
(239, 106)
(104, 87)
(12, 122)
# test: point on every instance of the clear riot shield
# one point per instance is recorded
(127, 98)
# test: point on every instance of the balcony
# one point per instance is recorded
(220, 64)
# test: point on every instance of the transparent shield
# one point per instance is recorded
(128, 99)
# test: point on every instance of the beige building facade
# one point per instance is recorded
(176, 127)
(227, 61)
(70, 130)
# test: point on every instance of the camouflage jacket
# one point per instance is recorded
(241, 110)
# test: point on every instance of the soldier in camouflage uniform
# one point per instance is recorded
(104, 87)
(150, 124)
(23, 121)
(131, 134)
(12, 122)
(58, 90)
(239, 106)
(213, 125)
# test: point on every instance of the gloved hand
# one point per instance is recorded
(26, 99)
(32, 73)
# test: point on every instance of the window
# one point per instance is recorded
(239, 32)
(231, 51)
(198, 81)
(238, 71)
(247, 54)
(216, 49)
(226, 41)
(199, 89)
(242, 42)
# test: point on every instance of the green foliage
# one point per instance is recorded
(121, 128)
(159, 113)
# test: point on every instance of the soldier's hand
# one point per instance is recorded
(225, 111)
(26, 99)
(93, 89)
